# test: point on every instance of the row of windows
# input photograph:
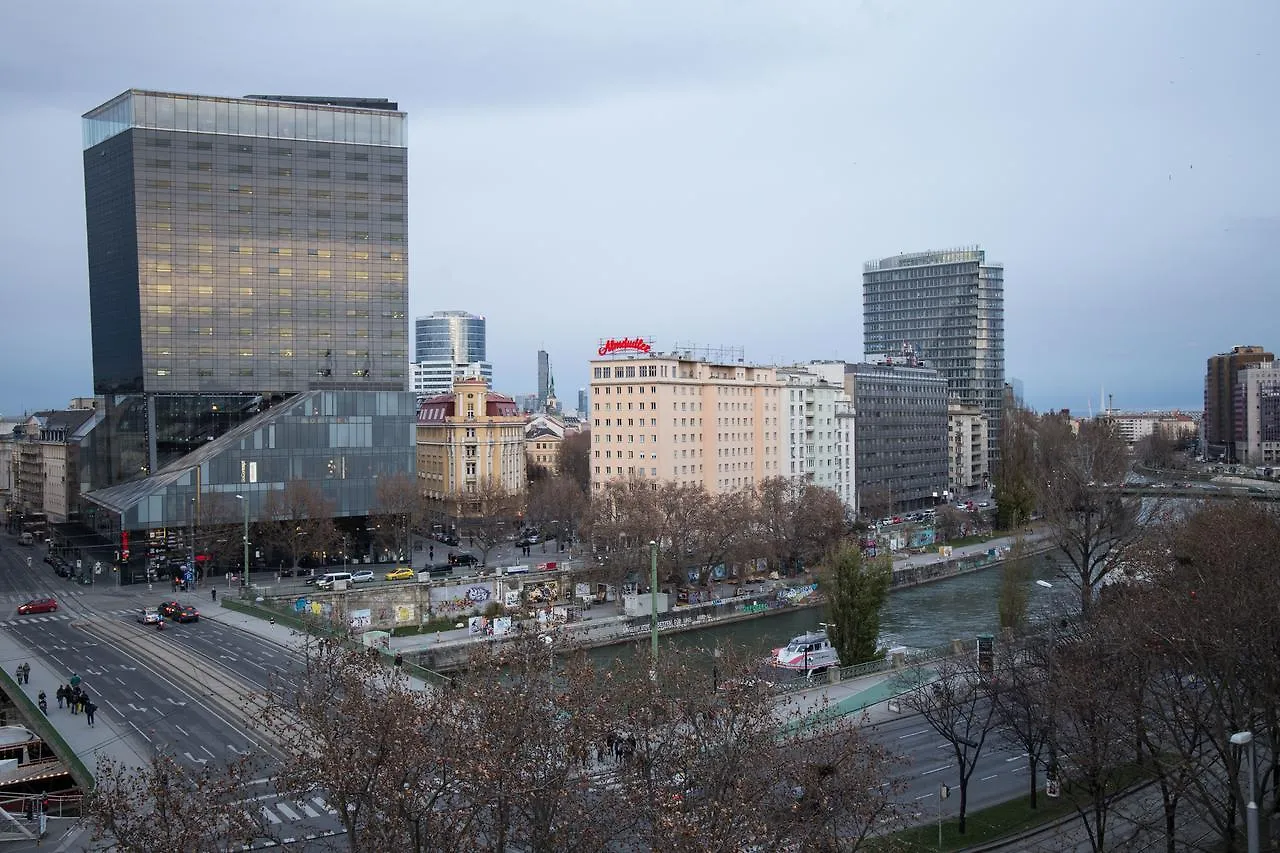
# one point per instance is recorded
(282, 332)
(275, 150)
(154, 163)
(275, 191)
(283, 371)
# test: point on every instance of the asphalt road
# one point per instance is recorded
(182, 689)
(1000, 775)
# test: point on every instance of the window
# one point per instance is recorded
(281, 152)
(357, 176)
(318, 153)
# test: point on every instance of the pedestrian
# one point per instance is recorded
(43, 703)
(26, 673)
(61, 693)
(75, 699)
(84, 701)
(214, 593)
(399, 660)
(89, 709)
(75, 680)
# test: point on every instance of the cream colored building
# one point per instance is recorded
(543, 435)
(968, 466)
(673, 417)
(467, 440)
(816, 444)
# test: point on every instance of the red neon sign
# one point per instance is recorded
(618, 344)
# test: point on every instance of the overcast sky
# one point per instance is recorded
(716, 173)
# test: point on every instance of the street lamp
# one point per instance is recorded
(1251, 809)
(1051, 783)
(653, 603)
(245, 501)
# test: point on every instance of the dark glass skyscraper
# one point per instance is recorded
(245, 253)
(949, 307)
(240, 250)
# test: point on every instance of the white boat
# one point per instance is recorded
(807, 653)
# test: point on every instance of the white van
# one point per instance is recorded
(334, 580)
(26, 539)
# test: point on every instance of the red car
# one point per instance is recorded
(38, 605)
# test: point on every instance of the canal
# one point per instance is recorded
(920, 617)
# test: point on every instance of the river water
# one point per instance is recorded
(920, 617)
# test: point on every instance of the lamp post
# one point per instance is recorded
(653, 603)
(1051, 782)
(1243, 739)
(245, 579)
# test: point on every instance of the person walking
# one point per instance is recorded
(75, 680)
(213, 593)
(43, 703)
(26, 673)
(61, 693)
(75, 698)
(89, 710)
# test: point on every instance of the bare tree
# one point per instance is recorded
(950, 522)
(877, 502)
(556, 505)
(957, 705)
(624, 518)
(822, 522)
(491, 512)
(575, 458)
(1090, 524)
(297, 520)
(387, 757)
(1021, 703)
(398, 509)
(164, 805)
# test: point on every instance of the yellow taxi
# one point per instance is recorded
(403, 573)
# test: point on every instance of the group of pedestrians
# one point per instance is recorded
(77, 700)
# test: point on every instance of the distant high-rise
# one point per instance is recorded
(582, 403)
(454, 336)
(544, 378)
(1221, 423)
(448, 345)
(949, 307)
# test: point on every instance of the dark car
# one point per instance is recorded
(187, 614)
(170, 609)
(462, 558)
(448, 539)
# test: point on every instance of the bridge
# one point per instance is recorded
(1195, 491)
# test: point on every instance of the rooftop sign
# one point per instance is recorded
(612, 345)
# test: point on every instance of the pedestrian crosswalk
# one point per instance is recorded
(281, 811)
(62, 617)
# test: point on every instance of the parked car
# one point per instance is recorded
(38, 605)
(448, 539)
(362, 576)
(402, 573)
(169, 609)
(187, 614)
(463, 558)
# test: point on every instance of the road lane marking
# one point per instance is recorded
(937, 770)
(923, 797)
(988, 778)
(179, 728)
(912, 734)
(288, 812)
(271, 818)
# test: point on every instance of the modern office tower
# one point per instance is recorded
(583, 402)
(544, 379)
(248, 300)
(448, 345)
(682, 418)
(1221, 423)
(900, 436)
(948, 306)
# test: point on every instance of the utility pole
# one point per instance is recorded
(653, 604)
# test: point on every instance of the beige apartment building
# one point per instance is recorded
(967, 464)
(678, 418)
(467, 439)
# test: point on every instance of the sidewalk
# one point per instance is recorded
(109, 736)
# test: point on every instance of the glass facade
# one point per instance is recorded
(949, 306)
(256, 117)
(339, 441)
(900, 432)
(450, 336)
(241, 252)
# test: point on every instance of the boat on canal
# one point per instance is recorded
(809, 652)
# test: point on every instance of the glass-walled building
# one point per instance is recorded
(453, 336)
(245, 254)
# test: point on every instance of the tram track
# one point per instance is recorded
(239, 702)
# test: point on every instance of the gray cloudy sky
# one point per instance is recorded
(717, 172)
